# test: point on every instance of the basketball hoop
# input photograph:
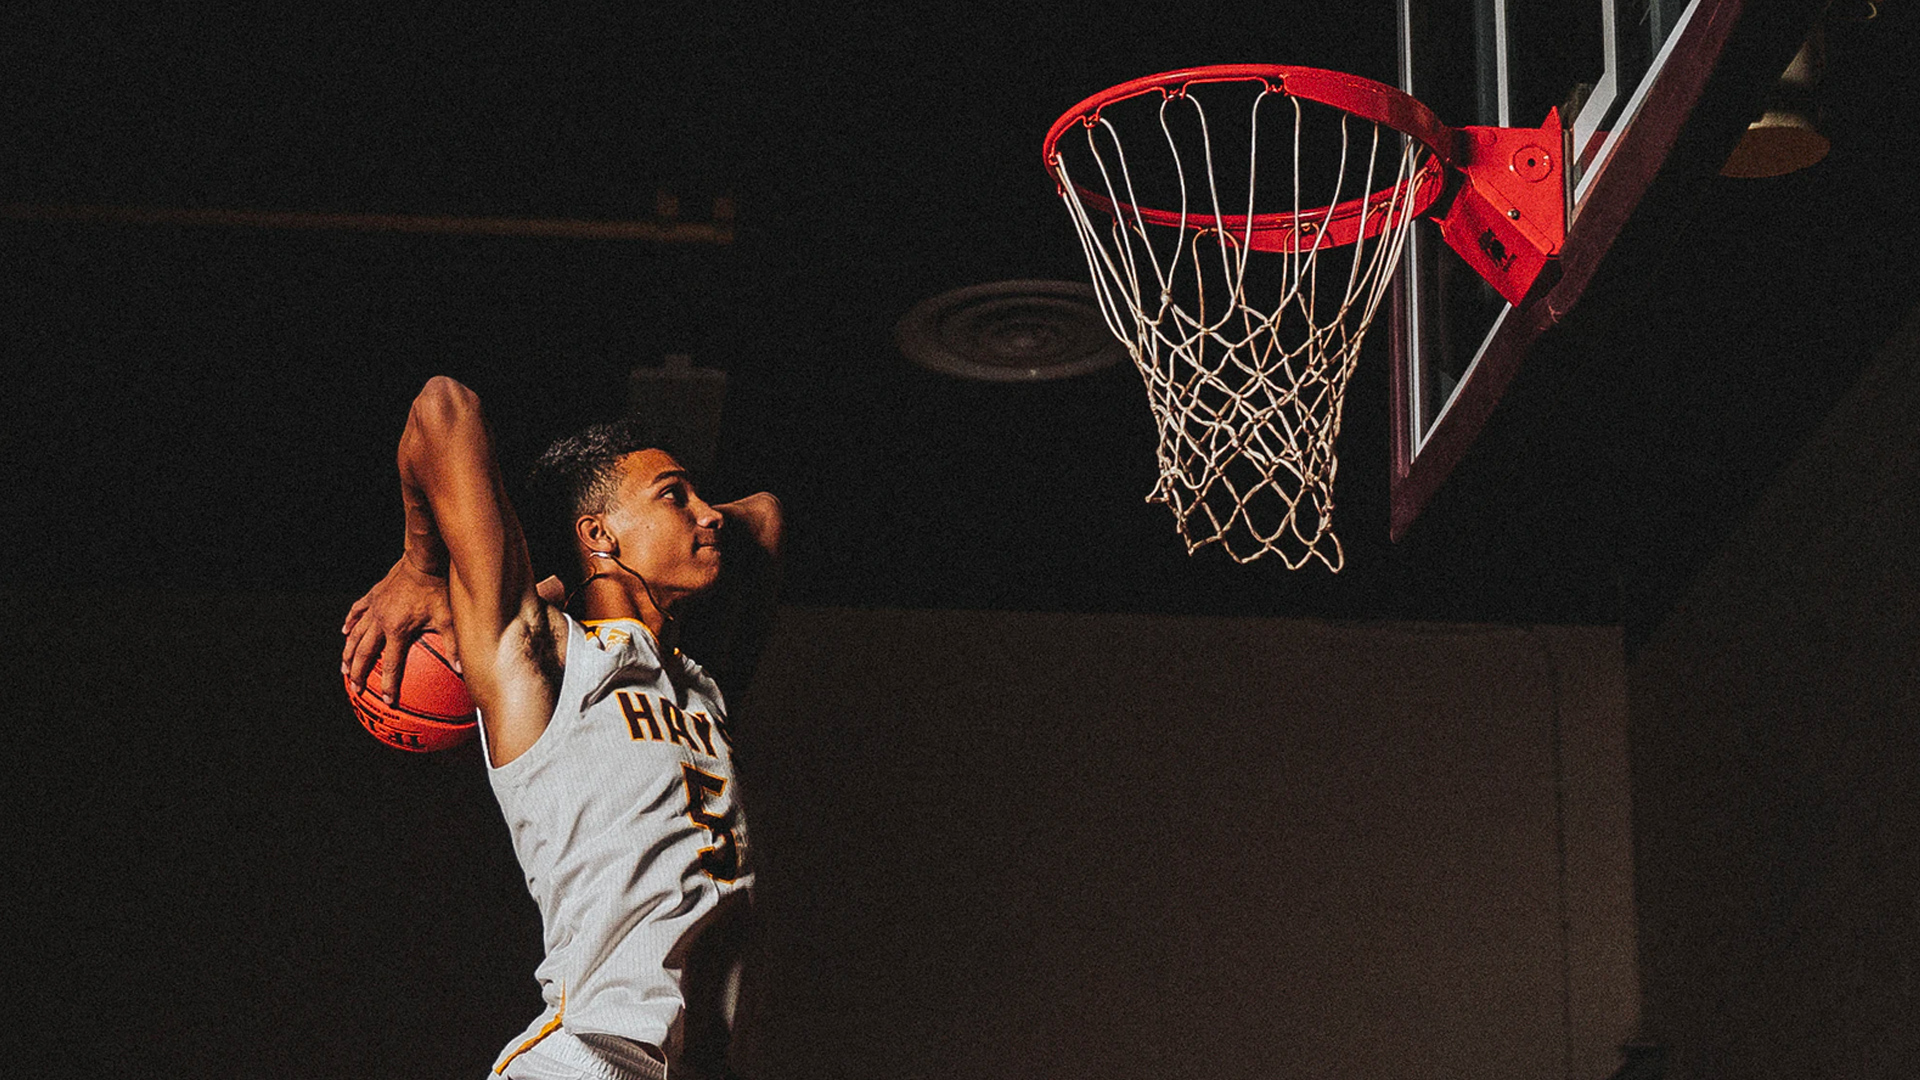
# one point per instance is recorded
(1244, 291)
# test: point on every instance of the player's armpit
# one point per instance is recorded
(528, 662)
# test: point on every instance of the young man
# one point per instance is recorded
(607, 747)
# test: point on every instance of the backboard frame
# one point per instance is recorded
(1620, 167)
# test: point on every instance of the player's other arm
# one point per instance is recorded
(728, 629)
(459, 524)
(761, 517)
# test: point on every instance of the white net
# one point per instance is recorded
(1245, 308)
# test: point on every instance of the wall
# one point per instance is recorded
(1104, 846)
(1776, 736)
(993, 845)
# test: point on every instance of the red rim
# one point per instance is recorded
(1342, 224)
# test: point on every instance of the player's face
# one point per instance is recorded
(666, 531)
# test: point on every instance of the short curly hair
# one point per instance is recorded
(577, 475)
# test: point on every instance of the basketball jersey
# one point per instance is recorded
(624, 817)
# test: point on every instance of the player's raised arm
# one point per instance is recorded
(762, 518)
(460, 526)
(728, 629)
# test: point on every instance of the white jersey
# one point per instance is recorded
(624, 817)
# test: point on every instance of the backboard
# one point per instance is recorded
(1626, 76)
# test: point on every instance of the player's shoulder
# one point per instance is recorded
(613, 635)
(624, 651)
(621, 642)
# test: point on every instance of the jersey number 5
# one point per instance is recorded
(720, 862)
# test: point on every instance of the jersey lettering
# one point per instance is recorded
(676, 724)
(720, 862)
(651, 719)
(634, 706)
(702, 730)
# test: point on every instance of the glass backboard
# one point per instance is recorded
(1624, 75)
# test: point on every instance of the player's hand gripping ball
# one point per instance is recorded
(433, 710)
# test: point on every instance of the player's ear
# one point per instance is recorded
(592, 533)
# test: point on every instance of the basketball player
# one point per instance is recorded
(607, 747)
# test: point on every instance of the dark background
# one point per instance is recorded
(877, 156)
(222, 402)
(986, 844)
(199, 426)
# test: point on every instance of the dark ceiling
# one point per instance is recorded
(196, 406)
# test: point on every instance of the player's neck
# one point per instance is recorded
(610, 598)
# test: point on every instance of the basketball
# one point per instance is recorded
(433, 710)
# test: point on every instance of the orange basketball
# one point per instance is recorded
(433, 712)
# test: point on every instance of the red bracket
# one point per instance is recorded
(1508, 215)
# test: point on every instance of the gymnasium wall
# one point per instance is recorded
(1115, 846)
(991, 845)
(1776, 736)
